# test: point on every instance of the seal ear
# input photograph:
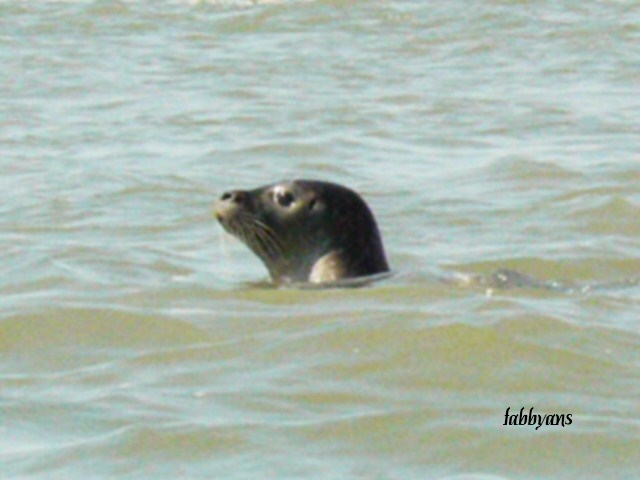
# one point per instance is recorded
(316, 204)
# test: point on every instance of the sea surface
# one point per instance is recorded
(139, 341)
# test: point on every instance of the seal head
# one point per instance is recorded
(305, 230)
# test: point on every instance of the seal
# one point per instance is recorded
(305, 230)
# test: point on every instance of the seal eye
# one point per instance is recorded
(284, 198)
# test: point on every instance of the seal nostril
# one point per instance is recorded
(235, 196)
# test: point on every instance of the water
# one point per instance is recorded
(134, 339)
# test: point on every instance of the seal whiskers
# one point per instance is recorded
(255, 234)
(267, 238)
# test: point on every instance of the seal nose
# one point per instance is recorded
(229, 203)
(235, 196)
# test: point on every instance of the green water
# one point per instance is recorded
(138, 341)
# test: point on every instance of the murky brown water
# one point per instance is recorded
(134, 341)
